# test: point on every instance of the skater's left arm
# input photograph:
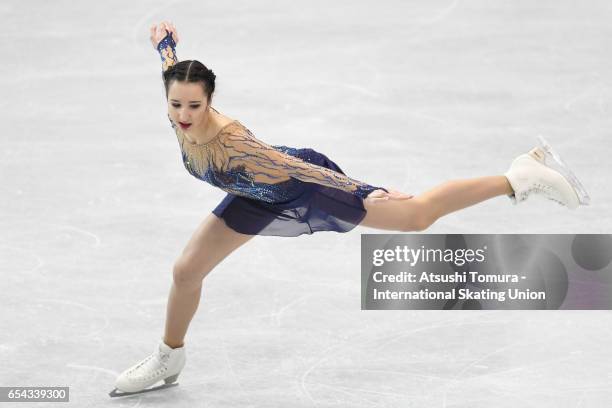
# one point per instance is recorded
(267, 164)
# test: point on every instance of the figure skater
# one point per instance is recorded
(285, 191)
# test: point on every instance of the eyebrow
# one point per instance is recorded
(174, 100)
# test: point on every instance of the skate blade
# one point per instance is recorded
(116, 393)
(583, 196)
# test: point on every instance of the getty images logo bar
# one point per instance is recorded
(486, 271)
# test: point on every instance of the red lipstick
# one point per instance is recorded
(184, 125)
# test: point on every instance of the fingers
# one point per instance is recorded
(377, 196)
(398, 195)
(174, 33)
(377, 200)
(157, 32)
(170, 29)
(401, 197)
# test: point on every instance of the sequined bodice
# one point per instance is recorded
(206, 162)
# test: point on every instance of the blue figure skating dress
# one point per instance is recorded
(271, 189)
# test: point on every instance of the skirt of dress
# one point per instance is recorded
(317, 208)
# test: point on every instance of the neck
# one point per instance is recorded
(205, 131)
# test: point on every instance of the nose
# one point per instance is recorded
(183, 116)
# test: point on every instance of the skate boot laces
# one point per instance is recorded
(155, 364)
(541, 189)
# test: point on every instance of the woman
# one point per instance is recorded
(284, 191)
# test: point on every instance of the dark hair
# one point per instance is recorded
(191, 71)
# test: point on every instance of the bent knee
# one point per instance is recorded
(186, 274)
(417, 224)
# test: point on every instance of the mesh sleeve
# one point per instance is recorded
(264, 163)
(167, 51)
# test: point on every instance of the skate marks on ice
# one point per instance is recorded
(498, 386)
(375, 345)
(90, 235)
(475, 376)
(95, 315)
(475, 364)
(24, 255)
(59, 232)
(234, 376)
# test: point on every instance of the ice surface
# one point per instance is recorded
(97, 206)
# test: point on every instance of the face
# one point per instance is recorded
(187, 105)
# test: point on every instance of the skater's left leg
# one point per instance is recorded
(419, 212)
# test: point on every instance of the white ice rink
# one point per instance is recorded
(97, 206)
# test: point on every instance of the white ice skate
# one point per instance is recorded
(165, 363)
(542, 171)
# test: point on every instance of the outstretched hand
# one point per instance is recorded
(159, 31)
(378, 196)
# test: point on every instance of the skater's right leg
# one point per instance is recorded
(211, 242)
